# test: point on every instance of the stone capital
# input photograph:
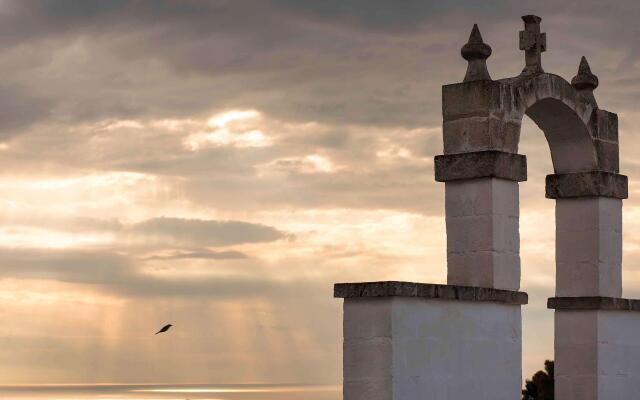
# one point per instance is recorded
(481, 164)
(586, 184)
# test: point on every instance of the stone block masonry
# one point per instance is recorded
(589, 246)
(483, 240)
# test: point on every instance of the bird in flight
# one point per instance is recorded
(164, 328)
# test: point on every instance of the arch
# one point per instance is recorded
(570, 144)
(563, 116)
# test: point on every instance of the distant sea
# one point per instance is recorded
(177, 392)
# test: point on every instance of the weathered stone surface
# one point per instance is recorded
(593, 303)
(569, 138)
(476, 53)
(533, 42)
(429, 291)
(481, 164)
(585, 82)
(605, 125)
(608, 155)
(476, 98)
(479, 134)
(586, 184)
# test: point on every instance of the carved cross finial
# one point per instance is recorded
(476, 53)
(533, 43)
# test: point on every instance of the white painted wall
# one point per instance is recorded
(597, 355)
(414, 348)
(483, 237)
(589, 247)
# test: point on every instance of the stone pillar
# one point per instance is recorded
(405, 341)
(589, 247)
(597, 350)
(482, 217)
(588, 232)
(481, 170)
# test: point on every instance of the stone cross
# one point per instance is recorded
(533, 43)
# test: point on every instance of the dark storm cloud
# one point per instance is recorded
(336, 63)
(357, 62)
(235, 53)
(383, 15)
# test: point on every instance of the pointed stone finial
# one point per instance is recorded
(585, 82)
(476, 53)
(533, 43)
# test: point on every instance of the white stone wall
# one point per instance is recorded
(589, 247)
(367, 350)
(597, 355)
(404, 348)
(483, 236)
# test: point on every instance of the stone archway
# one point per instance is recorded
(406, 340)
(481, 170)
(481, 167)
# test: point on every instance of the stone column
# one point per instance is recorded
(482, 217)
(597, 350)
(588, 232)
(481, 170)
(405, 341)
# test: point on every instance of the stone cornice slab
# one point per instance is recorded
(587, 184)
(593, 303)
(480, 164)
(428, 291)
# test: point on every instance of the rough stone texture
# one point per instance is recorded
(585, 82)
(480, 133)
(486, 115)
(470, 99)
(433, 349)
(593, 303)
(586, 184)
(608, 155)
(476, 53)
(481, 164)
(533, 42)
(570, 141)
(597, 354)
(483, 238)
(589, 247)
(605, 126)
(428, 291)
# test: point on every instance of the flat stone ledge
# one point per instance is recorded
(593, 303)
(481, 164)
(428, 291)
(586, 184)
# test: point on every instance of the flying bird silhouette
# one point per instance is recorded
(164, 328)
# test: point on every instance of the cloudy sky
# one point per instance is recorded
(220, 164)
